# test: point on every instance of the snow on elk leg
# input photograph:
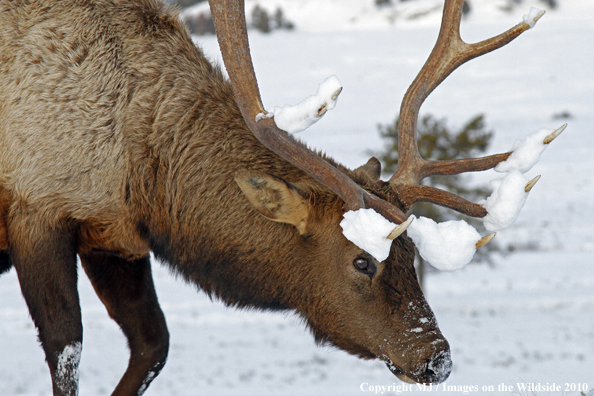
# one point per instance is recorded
(126, 289)
(44, 257)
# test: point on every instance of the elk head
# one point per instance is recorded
(386, 315)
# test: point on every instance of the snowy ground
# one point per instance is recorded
(527, 319)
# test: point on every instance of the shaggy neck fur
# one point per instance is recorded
(192, 141)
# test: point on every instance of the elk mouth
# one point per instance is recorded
(399, 373)
(434, 371)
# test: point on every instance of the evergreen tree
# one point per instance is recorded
(261, 20)
(185, 3)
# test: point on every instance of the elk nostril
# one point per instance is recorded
(439, 368)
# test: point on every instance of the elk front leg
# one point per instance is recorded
(5, 263)
(45, 262)
(126, 289)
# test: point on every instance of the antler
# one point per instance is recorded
(229, 18)
(448, 54)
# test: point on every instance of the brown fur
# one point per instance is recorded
(118, 137)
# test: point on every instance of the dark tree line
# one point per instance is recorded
(261, 20)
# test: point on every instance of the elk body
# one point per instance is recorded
(118, 138)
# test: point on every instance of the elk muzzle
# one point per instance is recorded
(434, 371)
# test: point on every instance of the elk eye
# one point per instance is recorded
(361, 264)
(365, 265)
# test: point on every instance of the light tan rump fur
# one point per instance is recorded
(71, 105)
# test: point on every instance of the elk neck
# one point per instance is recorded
(187, 144)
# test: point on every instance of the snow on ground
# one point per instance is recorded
(528, 319)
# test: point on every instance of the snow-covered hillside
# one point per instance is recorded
(345, 15)
(529, 319)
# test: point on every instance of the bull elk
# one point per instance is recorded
(118, 138)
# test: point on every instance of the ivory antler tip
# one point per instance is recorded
(531, 184)
(554, 134)
(484, 240)
(396, 232)
(324, 109)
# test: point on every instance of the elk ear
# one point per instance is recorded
(275, 198)
(373, 168)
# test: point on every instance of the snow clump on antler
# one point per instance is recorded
(526, 152)
(368, 230)
(510, 193)
(533, 16)
(451, 245)
(506, 201)
(447, 246)
(297, 118)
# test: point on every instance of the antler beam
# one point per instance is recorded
(449, 53)
(229, 18)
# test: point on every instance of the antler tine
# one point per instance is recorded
(449, 53)
(229, 18)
